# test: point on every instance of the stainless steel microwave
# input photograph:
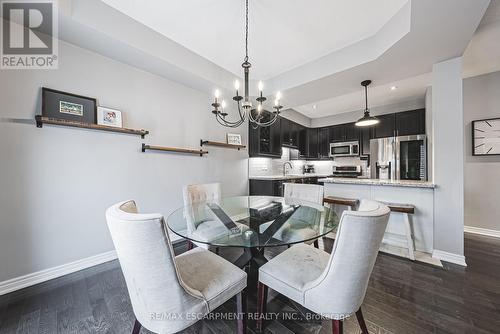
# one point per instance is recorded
(345, 149)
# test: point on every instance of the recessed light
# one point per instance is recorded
(314, 106)
(394, 87)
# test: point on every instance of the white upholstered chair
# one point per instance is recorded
(195, 193)
(297, 193)
(332, 285)
(169, 293)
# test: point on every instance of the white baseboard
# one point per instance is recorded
(25, 281)
(482, 231)
(449, 257)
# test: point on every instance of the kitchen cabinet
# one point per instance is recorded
(324, 143)
(266, 188)
(276, 187)
(303, 141)
(336, 133)
(289, 133)
(410, 122)
(365, 135)
(265, 141)
(386, 127)
(344, 132)
(312, 143)
(351, 132)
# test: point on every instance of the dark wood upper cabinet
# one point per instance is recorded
(324, 143)
(312, 143)
(343, 132)
(265, 141)
(336, 133)
(410, 122)
(289, 133)
(386, 127)
(351, 132)
(303, 141)
(365, 135)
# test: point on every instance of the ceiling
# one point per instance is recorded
(315, 52)
(481, 56)
(279, 30)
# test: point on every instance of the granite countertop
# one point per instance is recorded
(377, 182)
(286, 177)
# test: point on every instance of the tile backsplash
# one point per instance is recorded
(269, 167)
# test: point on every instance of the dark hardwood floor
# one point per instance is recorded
(403, 297)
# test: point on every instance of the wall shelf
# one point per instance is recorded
(173, 149)
(40, 121)
(220, 144)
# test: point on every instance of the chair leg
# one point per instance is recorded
(261, 305)
(137, 327)
(241, 310)
(409, 238)
(337, 326)
(190, 245)
(316, 243)
(361, 321)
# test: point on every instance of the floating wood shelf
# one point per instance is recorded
(40, 121)
(173, 149)
(220, 144)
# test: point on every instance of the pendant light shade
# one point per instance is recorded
(367, 120)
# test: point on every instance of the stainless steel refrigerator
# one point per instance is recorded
(399, 158)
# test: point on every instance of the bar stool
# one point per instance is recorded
(406, 210)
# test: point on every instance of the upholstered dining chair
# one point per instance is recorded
(296, 194)
(195, 193)
(332, 285)
(170, 293)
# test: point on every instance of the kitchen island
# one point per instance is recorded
(418, 193)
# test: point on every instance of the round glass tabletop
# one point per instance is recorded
(252, 221)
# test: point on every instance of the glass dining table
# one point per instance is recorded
(252, 223)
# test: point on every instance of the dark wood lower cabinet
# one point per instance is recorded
(275, 187)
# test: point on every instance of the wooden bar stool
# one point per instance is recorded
(406, 210)
(351, 203)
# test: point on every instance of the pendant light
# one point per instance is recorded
(367, 120)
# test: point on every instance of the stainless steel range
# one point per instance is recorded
(346, 171)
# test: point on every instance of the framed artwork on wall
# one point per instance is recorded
(234, 139)
(109, 117)
(486, 137)
(67, 106)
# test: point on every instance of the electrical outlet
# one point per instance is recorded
(264, 169)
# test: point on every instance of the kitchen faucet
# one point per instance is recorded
(284, 166)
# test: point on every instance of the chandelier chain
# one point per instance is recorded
(246, 32)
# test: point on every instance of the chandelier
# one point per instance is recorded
(257, 116)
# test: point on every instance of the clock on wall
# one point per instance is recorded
(486, 137)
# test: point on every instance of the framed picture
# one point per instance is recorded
(486, 137)
(67, 106)
(109, 117)
(234, 139)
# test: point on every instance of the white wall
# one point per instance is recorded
(56, 182)
(353, 116)
(448, 137)
(482, 174)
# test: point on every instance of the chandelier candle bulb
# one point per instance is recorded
(237, 86)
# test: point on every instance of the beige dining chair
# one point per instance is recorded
(297, 194)
(203, 229)
(332, 285)
(170, 293)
